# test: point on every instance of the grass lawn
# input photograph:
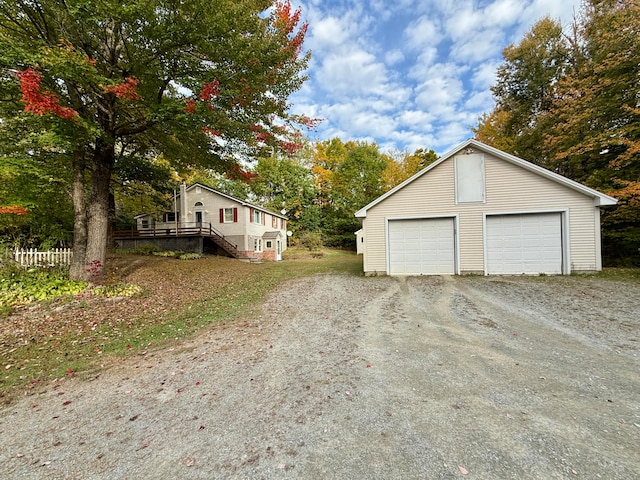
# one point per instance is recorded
(78, 334)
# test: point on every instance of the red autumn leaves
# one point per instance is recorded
(125, 90)
(42, 102)
(286, 21)
(13, 209)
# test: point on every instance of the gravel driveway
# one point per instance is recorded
(345, 377)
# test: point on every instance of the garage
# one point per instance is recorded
(424, 246)
(529, 244)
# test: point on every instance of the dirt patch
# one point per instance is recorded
(345, 377)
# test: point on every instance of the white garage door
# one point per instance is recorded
(530, 244)
(421, 247)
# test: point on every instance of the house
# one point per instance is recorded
(223, 223)
(480, 210)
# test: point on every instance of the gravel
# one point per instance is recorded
(348, 377)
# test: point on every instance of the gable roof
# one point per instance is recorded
(238, 200)
(600, 199)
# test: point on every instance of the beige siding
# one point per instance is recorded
(509, 188)
(240, 233)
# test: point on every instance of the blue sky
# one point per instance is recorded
(410, 74)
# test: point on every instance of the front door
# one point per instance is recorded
(199, 219)
(278, 250)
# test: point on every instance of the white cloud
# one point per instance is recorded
(484, 75)
(421, 33)
(478, 46)
(439, 95)
(393, 57)
(354, 72)
(466, 22)
(503, 12)
(416, 119)
(410, 73)
(327, 33)
(479, 101)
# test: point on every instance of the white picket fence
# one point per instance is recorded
(31, 257)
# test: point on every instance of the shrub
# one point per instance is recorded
(165, 253)
(146, 249)
(189, 256)
(311, 241)
(20, 287)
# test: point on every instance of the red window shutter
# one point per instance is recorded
(235, 215)
(264, 218)
(250, 215)
(222, 215)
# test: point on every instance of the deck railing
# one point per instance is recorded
(195, 229)
(190, 229)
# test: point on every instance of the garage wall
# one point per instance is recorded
(509, 188)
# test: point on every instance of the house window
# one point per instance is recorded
(199, 204)
(169, 217)
(469, 171)
(257, 245)
(274, 222)
(256, 216)
(228, 215)
(269, 244)
(145, 223)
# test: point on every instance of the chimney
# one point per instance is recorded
(183, 204)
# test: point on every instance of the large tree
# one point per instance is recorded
(285, 184)
(570, 102)
(595, 136)
(348, 176)
(524, 91)
(104, 80)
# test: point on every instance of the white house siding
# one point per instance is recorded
(509, 189)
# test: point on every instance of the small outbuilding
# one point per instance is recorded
(480, 210)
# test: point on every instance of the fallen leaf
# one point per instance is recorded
(463, 470)
(66, 403)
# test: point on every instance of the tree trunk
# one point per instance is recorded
(111, 243)
(77, 270)
(98, 219)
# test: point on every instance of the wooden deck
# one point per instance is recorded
(204, 230)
